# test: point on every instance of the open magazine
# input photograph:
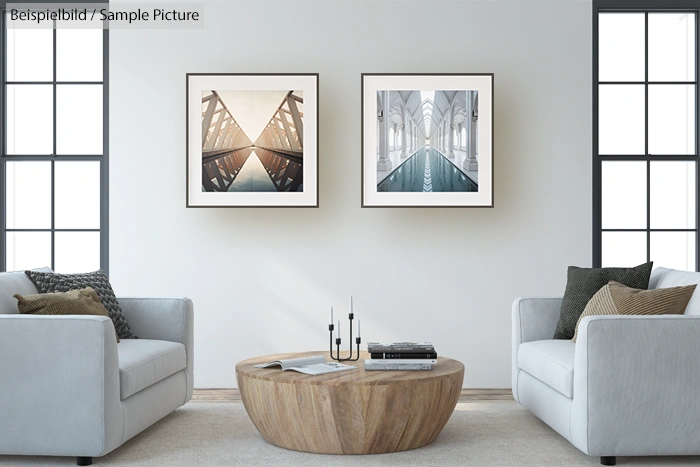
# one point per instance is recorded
(309, 365)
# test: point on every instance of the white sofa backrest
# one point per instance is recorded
(662, 278)
(12, 283)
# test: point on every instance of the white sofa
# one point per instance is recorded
(68, 389)
(629, 386)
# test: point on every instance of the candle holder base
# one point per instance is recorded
(337, 357)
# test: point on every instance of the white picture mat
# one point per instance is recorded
(305, 83)
(480, 83)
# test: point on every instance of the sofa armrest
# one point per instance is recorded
(636, 380)
(167, 319)
(59, 386)
(533, 319)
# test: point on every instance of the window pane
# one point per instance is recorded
(621, 119)
(79, 54)
(621, 47)
(671, 119)
(77, 252)
(28, 250)
(671, 47)
(672, 195)
(77, 195)
(28, 195)
(29, 54)
(675, 250)
(79, 119)
(624, 249)
(624, 195)
(30, 119)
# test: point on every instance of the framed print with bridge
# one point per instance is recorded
(252, 140)
(427, 140)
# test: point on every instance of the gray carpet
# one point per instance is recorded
(478, 434)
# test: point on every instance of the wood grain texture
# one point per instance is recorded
(467, 396)
(353, 412)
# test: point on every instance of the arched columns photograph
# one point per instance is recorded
(383, 163)
(410, 121)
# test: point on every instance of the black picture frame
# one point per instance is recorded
(311, 123)
(365, 174)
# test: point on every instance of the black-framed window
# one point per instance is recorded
(54, 148)
(645, 133)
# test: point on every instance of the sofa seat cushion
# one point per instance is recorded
(550, 361)
(144, 362)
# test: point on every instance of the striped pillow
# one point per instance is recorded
(618, 299)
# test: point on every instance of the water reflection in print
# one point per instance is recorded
(252, 169)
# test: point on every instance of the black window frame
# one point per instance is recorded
(103, 158)
(643, 6)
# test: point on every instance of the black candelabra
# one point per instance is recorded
(331, 328)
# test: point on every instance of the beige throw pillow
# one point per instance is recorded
(76, 302)
(618, 299)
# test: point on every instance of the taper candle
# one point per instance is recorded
(350, 303)
(358, 328)
(337, 331)
(331, 319)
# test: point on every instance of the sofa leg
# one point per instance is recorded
(88, 461)
(608, 460)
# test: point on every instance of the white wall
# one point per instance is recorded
(262, 279)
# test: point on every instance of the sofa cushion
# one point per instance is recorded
(144, 362)
(617, 299)
(662, 278)
(550, 361)
(583, 283)
(76, 302)
(12, 283)
(53, 282)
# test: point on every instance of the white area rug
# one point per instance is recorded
(221, 434)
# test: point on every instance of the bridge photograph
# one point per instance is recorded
(252, 141)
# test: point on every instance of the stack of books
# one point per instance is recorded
(412, 356)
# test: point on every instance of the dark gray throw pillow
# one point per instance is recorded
(583, 283)
(48, 282)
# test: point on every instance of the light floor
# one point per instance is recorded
(479, 434)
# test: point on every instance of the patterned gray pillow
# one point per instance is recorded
(583, 283)
(49, 282)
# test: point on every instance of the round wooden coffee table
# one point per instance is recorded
(351, 412)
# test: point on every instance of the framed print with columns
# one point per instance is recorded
(252, 140)
(427, 140)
